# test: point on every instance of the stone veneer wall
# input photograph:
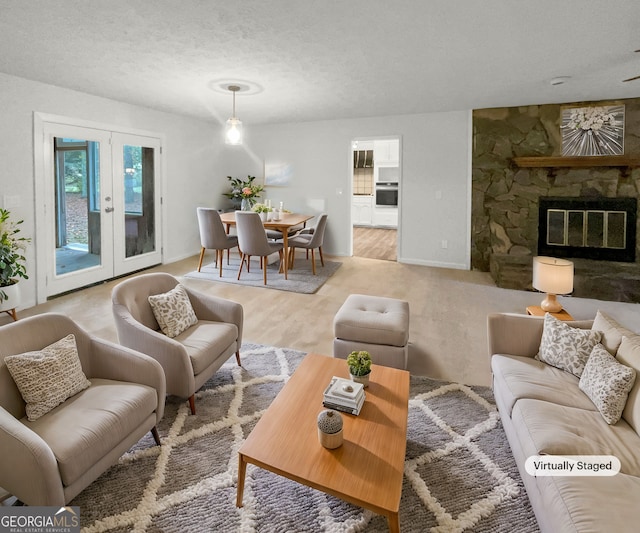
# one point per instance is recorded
(504, 214)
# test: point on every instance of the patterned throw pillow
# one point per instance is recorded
(173, 311)
(607, 383)
(48, 377)
(566, 347)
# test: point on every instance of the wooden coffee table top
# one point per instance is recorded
(367, 469)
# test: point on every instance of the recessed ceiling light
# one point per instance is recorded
(559, 80)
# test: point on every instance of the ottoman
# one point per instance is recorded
(376, 324)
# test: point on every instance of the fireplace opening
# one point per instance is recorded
(590, 228)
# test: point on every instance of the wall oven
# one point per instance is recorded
(387, 194)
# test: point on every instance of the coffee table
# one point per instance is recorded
(367, 470)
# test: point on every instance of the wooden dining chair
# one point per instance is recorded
(252, 241)
(213, 236)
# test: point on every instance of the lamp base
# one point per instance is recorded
(550, 304)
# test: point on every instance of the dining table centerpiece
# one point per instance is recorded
(244, 193)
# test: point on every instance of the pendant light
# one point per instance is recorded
(233, 130)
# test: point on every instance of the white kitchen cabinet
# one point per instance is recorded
(385, 217)
(362, 210)
(386, 152)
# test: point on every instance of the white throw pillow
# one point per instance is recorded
(607, 383)
(47, 377)
(612, 332)
(566, 347)
(629, 355)
(173, 311)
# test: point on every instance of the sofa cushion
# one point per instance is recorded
(629, 354)
(205, 341)
(566, 347)
(612, 332)
(89, 425)
(173, 311)
(47, 377)
(607, 383)
(548, 428)
(518, 377)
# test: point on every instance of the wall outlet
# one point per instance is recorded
(445, 244)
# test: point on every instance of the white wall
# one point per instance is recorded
(435, 158)
(190, 174)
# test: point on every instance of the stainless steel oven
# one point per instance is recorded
(387, 194)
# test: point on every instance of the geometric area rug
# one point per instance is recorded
(459, 474)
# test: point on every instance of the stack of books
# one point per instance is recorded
(344, 395)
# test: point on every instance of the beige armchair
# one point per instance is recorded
(193, 356)
(50, 460)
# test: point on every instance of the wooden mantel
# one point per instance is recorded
(625, 163)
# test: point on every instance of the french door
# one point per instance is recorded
(102, 205)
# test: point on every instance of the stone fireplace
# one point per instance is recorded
(528, 200)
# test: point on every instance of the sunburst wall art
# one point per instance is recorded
(597, 130)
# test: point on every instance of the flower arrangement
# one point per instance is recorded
(12, 248)
(359, 363)
(244, 189)
(590, 118)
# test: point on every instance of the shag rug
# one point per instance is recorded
(459, 473)
(300, 279)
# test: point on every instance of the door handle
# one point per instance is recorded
(108, 209)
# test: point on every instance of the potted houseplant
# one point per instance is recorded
(243, 193)
(12, 261)
(359, 363)
(263, 210)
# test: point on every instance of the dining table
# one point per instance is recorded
(284, 224)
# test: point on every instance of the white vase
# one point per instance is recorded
(13, 293)
(263, 216)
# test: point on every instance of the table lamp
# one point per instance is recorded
(553, 276)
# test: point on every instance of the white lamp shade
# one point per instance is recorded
(553, 276)
(233, 132)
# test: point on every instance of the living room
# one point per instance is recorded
(449, 300)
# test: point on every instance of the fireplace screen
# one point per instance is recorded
(601, 228)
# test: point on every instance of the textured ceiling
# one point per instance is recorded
(314, 60)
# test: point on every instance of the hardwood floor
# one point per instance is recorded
(375, 243)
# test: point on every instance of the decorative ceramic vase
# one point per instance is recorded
(361, 379)
(263, 216)
(245, 205)
(13, 297)
(330, 429)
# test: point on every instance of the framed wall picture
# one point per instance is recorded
(278, 174)
(594, 130)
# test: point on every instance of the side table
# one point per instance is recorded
(536, 310)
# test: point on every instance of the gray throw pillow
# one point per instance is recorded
(566, 347)
(173, 311)
(47, 377)
(607, 383)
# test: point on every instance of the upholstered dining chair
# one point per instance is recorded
(309, 241)
(213, 236)
(194, 354)
(252, 241)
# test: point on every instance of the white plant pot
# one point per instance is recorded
(361, 379)
(13, 292)
(263, 216)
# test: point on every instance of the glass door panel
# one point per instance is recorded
(137, 159)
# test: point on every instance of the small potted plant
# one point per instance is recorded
(263, 210)
(12, 261)
(359, 363)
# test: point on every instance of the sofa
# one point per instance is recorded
(545, 411)
(59, 440)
